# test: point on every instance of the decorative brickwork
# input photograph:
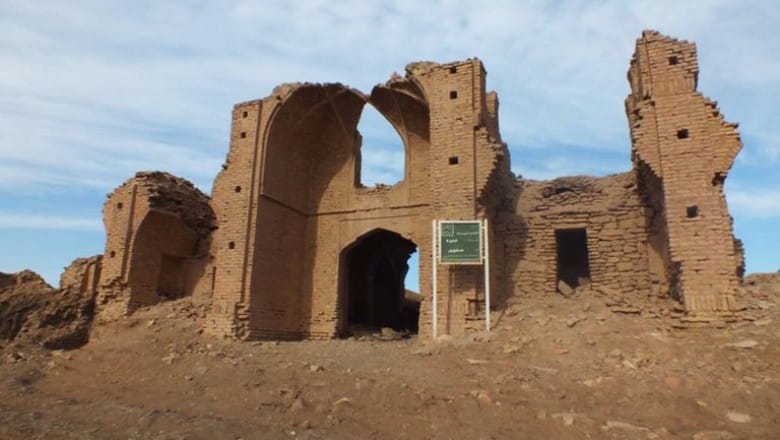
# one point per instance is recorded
(300, 249)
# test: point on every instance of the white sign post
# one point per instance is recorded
(460, 242)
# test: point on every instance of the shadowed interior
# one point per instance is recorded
(572, 248)
(376, 267)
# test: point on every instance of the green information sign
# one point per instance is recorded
(460, 242)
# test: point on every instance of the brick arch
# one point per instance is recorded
(312, 136)
(163, 247)
(309, 148)
(309, 139)
(409, 115)
(359, 263)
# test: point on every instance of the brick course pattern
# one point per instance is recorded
(157, 245)
(683, 149)
(275, 246)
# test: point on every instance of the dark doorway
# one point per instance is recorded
(170, 281)
(375, 268)
(572, 250)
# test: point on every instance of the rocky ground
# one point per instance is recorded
(588, 366)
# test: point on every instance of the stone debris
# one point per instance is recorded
(714, 435)
(298, 404)
(572, 321)
(170, 358)
(747, 343)
(565, 289)
(342, 401)
(737, 417)
(568, 418)
(626, 310)
(389, 334)
(623, 426)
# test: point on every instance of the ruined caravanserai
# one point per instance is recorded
(291, 244)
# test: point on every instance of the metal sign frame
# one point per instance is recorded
(436, 260)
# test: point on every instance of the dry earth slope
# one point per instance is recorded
(590, 366)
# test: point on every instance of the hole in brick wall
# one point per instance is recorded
(673, 60)
(119, 205)
(244, 114)
(381, 156)
(171, 279)
(112, 254)
(453, 69)
(573, 265)
(453, 160)
(718, 179)
(692, 211)
(377, 270)
(237, 189)
(682, 133)
(243, 134)
(453, 94)
(232, 245)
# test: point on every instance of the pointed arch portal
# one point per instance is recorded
(374, 269)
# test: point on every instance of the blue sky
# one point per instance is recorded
(92, 91)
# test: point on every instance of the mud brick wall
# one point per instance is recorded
(660, 272)
(466, 155)
(610, 211)
(235, 207)
(680, 139)
(82, 275)
(290, 213)
(290, 205)
(158, 231)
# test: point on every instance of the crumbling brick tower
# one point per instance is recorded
(682, 149)
(158, 230)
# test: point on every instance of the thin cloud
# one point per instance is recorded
(755, 204)
(46, 222)
(79, 80)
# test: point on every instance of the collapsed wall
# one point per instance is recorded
(577, 232)
(682, 149)
(158, 230)
(33, 312)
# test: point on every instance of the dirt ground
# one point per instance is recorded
(554, 368)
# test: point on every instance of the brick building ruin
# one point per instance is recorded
(291, 244)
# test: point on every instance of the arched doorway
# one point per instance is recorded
(374, 296)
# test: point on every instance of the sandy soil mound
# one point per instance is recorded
(553, 368)
(21, 294)
(32, 312)
(763, 284)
